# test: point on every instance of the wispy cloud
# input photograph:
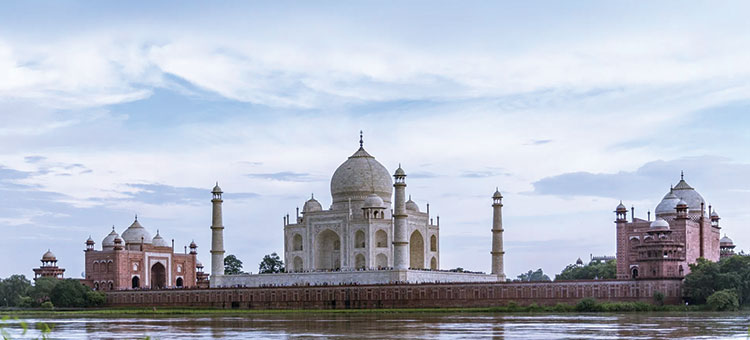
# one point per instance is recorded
(285, 176)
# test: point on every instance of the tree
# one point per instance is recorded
(69, 293)
(13, 289)
(723, 300)
(232, 265)
(591, 271)
(271, 264)
(537, 275)
(40, 292)
(708, 277)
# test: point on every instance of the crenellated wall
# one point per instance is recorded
(402, 295)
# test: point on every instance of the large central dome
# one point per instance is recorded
(358, 177)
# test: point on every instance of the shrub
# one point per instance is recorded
(47, 305)
(659, 298)
(588, 305)
(723, 300)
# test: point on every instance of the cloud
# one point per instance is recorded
(716, 173)
(285, 176)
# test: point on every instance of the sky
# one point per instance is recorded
(112, 109)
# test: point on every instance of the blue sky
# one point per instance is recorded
(108, 110)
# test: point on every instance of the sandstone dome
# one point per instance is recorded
(660, 223)
(358, 177)
(667, 204)
(109, 241)
(49, 256)
(135, 233)
(159, 241)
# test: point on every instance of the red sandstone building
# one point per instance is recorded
(136, 261)
(681, 233)
(49, 267)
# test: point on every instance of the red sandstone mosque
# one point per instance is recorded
(681, 233)
(135, 260)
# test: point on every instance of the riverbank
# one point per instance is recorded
(585, 306)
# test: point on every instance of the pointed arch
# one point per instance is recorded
(416, 250)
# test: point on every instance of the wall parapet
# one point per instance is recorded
(423, 295)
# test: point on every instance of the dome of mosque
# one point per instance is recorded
(358, 177)
(726, 241)
(159, 241)
(659, 223)
(135, 233)
(621, 207)
(49, 256)
(312, 205)
(411, 205)
(667, 204)
(109, 240)
(373, 201)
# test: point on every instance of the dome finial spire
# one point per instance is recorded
(682, 175)
(360, 138)
(136, 217)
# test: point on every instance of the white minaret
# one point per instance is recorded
(400, 242)
(497, 236)
(217, 235)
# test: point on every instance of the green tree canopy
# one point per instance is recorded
(537, 275)
(13, 289)
(591, 271)
(708, 277)
(232, 265)
(271, 264)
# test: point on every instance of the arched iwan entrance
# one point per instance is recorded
(381, 261)
(416, 250)
(359, 261)
(135, 282)
(158, 276)
(298, 265)
(328, 251)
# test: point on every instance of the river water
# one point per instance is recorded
(399, 326)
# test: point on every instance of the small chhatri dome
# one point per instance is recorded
(359, 176)
(399, 171)
(193, 245)
(90, 240)
(135, 233)
(373, 201)
(118, 240)
(659, 223)
(109, 240)
(681, 204)
(411, 205)
(497, 194)
(312, 205)
(621, 207)
(49, 256)
(726, 240)
(159, 241)
(579, 261)
(198, 264)
(216, 189)
(714, 214)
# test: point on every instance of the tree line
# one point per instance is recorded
(17, 291)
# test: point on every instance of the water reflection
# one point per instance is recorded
(403, 326)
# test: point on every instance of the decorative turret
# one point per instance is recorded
(726, 247)
(682, 210)
(715, 219)
(621, 213)
(373, 207)
(49, 267)
(193, 248)
(217, 233)
(400, 240)
(497, 236)
(90, 244)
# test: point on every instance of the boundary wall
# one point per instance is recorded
(426, 295)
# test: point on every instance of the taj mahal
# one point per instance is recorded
(370, 234)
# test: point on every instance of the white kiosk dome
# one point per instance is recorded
(312, 205)
(159, 241)
(109, 240)
(660, 223)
